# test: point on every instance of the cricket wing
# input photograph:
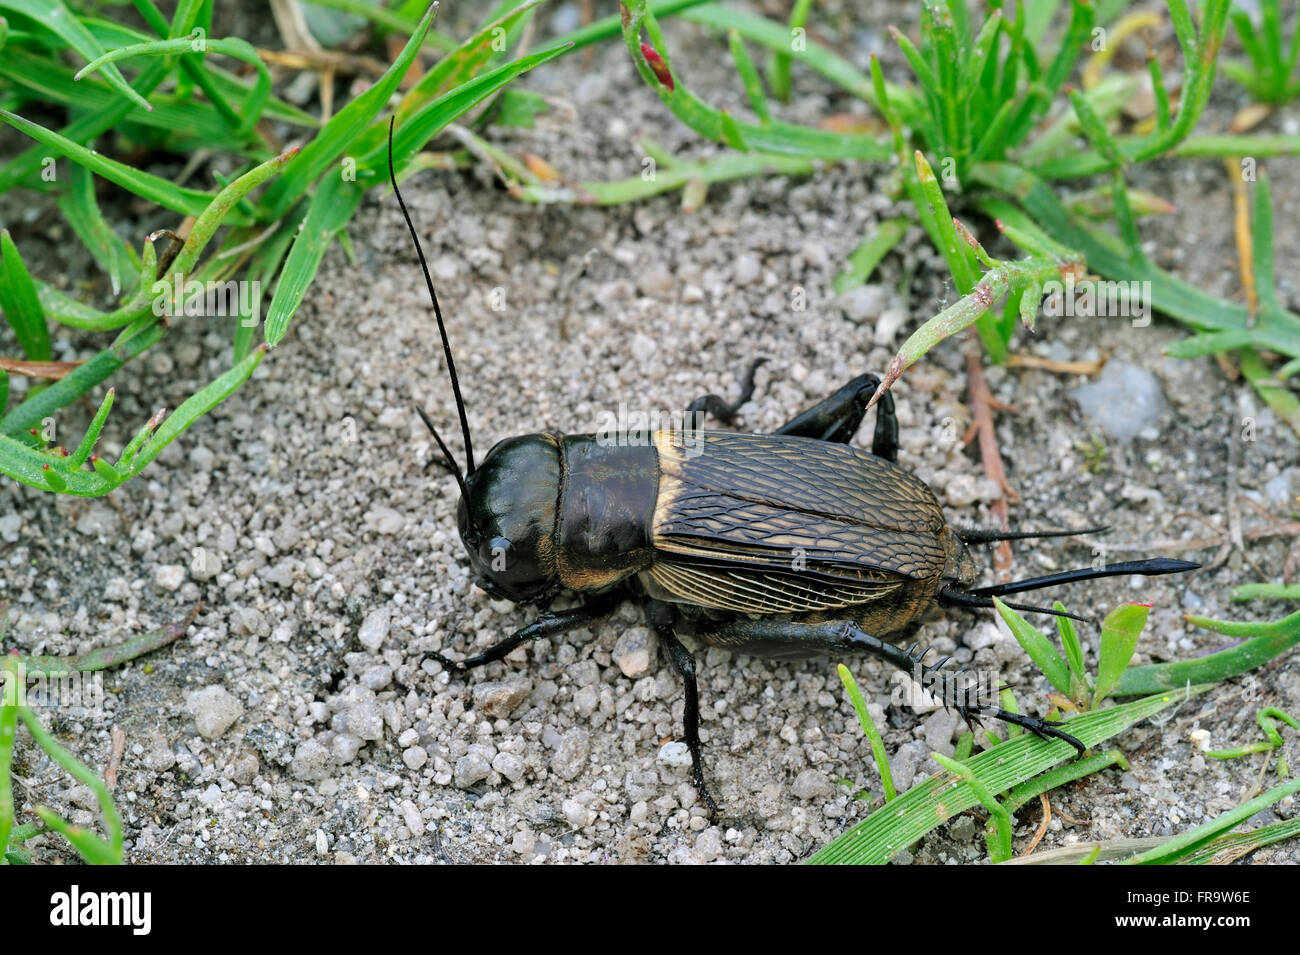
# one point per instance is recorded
(780, 524)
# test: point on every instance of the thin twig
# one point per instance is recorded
(118, 738)
(1060, 367)
(1042, 825)
(982, 418)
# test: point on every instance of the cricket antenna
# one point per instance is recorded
(442, 330)
(452, 466)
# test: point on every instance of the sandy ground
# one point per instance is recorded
(302, 718)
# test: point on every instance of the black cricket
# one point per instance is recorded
(785, 544)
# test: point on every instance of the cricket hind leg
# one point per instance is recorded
(721, 409)
(839, 636)
(661, 617)
(549, 624)
(839, 417)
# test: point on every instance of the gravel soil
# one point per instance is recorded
(302, 718)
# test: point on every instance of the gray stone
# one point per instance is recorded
(385, 520)
(811, 784)
(415, 757)
(655, 281)
(470, 769)
(570, 754)
(345, 747)
(169, 577)
(374, 629)
(509, 765)
(358, 712)
(11, 524)
(863, 304)
(675, 755)
(1124, 401)
(748, 269)
(312, 761)
(634, 651)
(214, 710)
(641, 786)
(205, 564)
(578, 815)
(499, 699)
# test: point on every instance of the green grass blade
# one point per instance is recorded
(263, 268)
(1261, 229)
(864, 259)
(330, 210)
(91, 847)
(1037, 646)
(669, 176)
(57, 18)
(83, 774)
(1267, 592)
(869, 730)
(943, 796)
(1181, 846)
(92, 433)
(21, 304)
(967, 310)
(956, 252)
(435, 116)
(1230, 848)
(190, 202)
(1119, 636)
(102, 658)
(1073, 650)
(816, 57)
(779, 72)
(219, 211)
(1263, 642)
(193, 408)
(340, 131)
(787, 139)
(1067, 773)
(392, 20)
(1277, 396)
(25, 165)
(8, 728)
(72, 386)
(749, 77)
(467, 60)
(999, 834)
(232, 47)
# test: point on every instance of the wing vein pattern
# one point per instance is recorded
(779, 524)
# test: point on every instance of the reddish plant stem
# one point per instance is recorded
(981, 403)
